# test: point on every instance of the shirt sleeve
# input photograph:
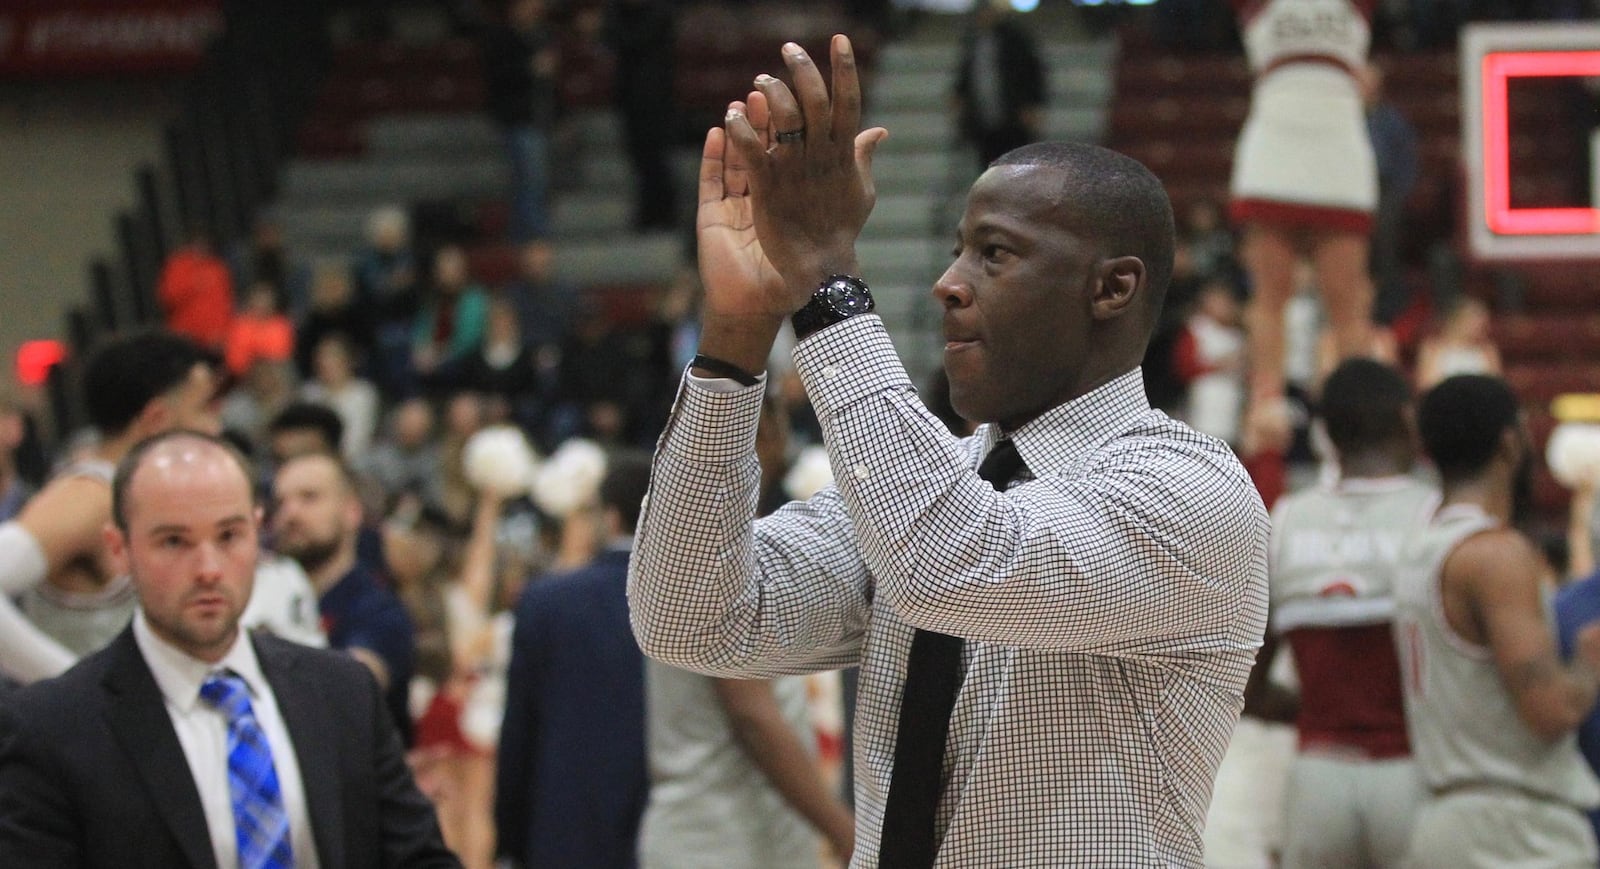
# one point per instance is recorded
(1153, 548)
(713, 591)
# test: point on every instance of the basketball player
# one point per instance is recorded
(1491, 707)
(1353, 789)
(52, 555)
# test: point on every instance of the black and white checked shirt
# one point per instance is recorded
(1112, 604)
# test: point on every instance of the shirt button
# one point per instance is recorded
(860, 471)
(830, 371)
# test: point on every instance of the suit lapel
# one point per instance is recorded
(314, 735)
(137, 714)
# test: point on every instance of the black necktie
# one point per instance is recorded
(933, 675)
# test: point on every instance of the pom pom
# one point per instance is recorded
(499, 460)
(810, 474)
(1573, 454)
(570, 478)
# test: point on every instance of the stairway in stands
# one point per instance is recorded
(401, 123)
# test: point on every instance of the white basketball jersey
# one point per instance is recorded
(1464, 726)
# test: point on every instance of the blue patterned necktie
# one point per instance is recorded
(261, 824)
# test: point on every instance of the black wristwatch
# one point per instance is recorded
(840, 298)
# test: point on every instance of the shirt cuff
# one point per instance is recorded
(715, 419)
(847, 362)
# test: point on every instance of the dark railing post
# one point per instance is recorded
(103, 291)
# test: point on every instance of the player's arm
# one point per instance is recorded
(1498, 572)
(61, 523)
(766, 737)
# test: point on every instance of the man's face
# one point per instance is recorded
(1016, 299)
(194, 404)
(313, 514)
(190, 545)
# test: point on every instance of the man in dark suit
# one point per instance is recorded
(136, 757)
(572, 783)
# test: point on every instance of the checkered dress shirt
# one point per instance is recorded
(1112, 605)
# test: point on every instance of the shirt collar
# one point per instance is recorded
(1068, 432)
(180, 675)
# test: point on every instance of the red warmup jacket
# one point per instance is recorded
(196, 292)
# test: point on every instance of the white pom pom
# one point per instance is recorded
(810, 474)
(570, 478)
(499, 460)
(1573, 454)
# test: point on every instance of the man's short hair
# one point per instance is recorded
(1462, 420)
(123, 478)
(1363, 405)
(302, 415)
(626, 481)
(127, 372)
(1114, 200)
(346, 474)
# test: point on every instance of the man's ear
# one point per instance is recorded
(153, 418)
(1122, 280)
(116, 547)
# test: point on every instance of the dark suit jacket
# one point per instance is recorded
(92, 773)
(572, 781)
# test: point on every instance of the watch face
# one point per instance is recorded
(847, 300)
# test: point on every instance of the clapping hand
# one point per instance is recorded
(785, 187)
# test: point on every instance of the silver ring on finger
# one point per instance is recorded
(791, 136)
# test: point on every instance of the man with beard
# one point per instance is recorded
(1491, 707)
(316, 521)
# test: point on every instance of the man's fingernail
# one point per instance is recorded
(734, 113)
(764, 79)
(793, 49)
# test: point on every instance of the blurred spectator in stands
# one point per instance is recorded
(609, 381)
(1211, 244)
(334, 383)
(544, 303)
(1162, 384)
(316, 520)
(521, 59)
(1394, 146)
(643, 36)
(386, 288)
(454, 312)
(504, 369)
(1209, 359)
(14, 490)
(334, 308)
(408, 460)
(196, 291)
(1000, 85)
(260, 332)
(303, 427)
(268, 387)
(1462, 345)
(262, 257)
(463, 418)
(680, 307)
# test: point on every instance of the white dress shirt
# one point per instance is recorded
(1112, 605)
(203, 732)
